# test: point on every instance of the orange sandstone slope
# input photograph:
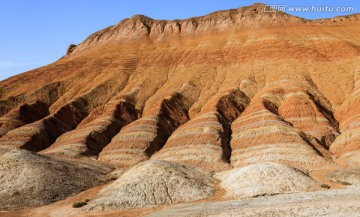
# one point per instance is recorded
(228, 89)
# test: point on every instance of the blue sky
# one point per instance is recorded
(34, 33)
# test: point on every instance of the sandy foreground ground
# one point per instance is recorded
(340, 202)
(337, 202)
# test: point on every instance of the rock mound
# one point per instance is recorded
(28, 179)
(154, 183)
(265, 179)
(70, 49)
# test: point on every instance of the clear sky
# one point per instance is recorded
(34, 33)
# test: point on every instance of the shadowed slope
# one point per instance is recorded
(204, 140)
(22, 115)
(90, 138)
(140, 139)
(41, 134)
(347, 145)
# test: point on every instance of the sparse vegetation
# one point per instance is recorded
(343, 182)
(79, 204)
(325, 186)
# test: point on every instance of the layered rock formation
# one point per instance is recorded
(204, 140)
(347, 144)
(139, 26)
(140, 139)
(216, 94)
(88, 139)
(41, 134)
(272, 129)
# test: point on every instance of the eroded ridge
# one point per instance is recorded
(46, 94)
(204, 140)
(309, 115)
(260, 134)
(88, 139)
(140, 26)
(22, 110)
(8, 104)
(139, 140)
(41, 134)
(22, 115)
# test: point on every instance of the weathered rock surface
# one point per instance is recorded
(28, 179)
(154, 183)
